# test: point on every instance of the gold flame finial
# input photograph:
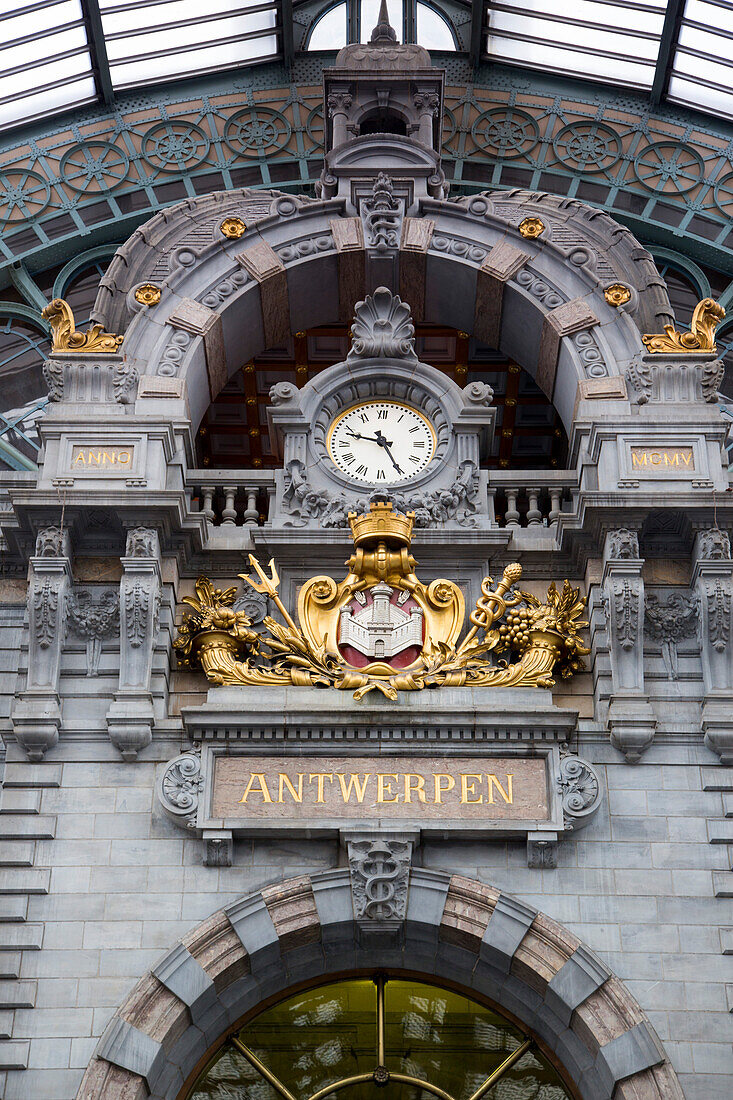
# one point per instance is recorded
(65, 337)
(701, 337)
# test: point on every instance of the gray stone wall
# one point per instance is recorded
(97, 884)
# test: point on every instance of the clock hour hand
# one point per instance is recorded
(372, 438)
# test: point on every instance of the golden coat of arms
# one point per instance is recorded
(382, 629)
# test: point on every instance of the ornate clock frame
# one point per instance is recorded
(382, 364)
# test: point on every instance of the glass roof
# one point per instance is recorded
(56, 55)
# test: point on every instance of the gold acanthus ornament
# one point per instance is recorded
(514, 639)
(701, 337)
(66, 338)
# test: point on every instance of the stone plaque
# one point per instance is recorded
(673, 460)
(386, 789)
(109, 458)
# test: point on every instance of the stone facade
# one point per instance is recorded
(136, 928)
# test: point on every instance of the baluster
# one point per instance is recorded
(251, 515)
(229, 515)
(207, 508)
(511, 515)
(534, 516)
(555, 495)
(270, 502)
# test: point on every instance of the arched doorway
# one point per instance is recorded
(458, 934)
(413, 1038)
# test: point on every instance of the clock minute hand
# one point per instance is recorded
(388, 448)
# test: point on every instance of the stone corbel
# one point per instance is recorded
(90, 380)
(675, 378)
(712, 577)
(379, 867)
(130, 718)
(630, 717)
(37, 712)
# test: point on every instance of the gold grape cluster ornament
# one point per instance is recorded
(382, 629)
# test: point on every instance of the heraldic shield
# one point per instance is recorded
(382, 629)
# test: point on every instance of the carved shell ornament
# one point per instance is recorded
(382, 328)
(382, 629)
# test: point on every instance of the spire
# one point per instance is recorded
(384, 33)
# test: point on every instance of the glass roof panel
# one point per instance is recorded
(151, 40)
(702, 68)
(44, 59)
(433, 32)
(329, 32)
(607, 40)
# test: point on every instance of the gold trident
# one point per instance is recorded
(268, 586)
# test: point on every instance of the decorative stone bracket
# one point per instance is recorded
(37, 711)
(630, 718)
(130, 716)
(379, 866)
(713, 582)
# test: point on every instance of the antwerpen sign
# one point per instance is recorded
(334, 790)
(540, 793)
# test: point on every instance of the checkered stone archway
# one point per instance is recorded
(457, 930)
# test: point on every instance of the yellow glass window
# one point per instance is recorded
(408, 1040)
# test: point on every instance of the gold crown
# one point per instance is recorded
(381, 522)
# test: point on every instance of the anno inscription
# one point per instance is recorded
(84, 459)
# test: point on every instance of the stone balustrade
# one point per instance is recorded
(233, 498)
(531, 498)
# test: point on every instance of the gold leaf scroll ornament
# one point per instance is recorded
(701, 337)
(515, 639)
(66, 338)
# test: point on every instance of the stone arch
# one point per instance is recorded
(456, 929)
(303, 262)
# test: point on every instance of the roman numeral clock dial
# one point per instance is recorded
(381, 442)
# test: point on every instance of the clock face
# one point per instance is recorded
(380, 442)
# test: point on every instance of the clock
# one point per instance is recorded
(381, 442)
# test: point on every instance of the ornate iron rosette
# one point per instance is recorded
(175, 146)
(24, 194)
(669, 166)
(257, 131)
(505, 132)
(94, 166)
(587, 146)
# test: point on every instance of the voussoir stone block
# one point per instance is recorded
(636, 1050)
(292, 907)
(154, 1010)
(574, 982)
(657, 1083)
(186, 978)
(129, 1048)
(216, 946)
(605, 1015)
(543, 951)
(103, 1081)
(468, 908)
(506, 929)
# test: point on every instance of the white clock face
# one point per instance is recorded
(380, 442)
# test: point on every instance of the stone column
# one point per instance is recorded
(339, 105)
(630, 717)
(712, 577)
(130, 718)
(37, 710)
(426, 104)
